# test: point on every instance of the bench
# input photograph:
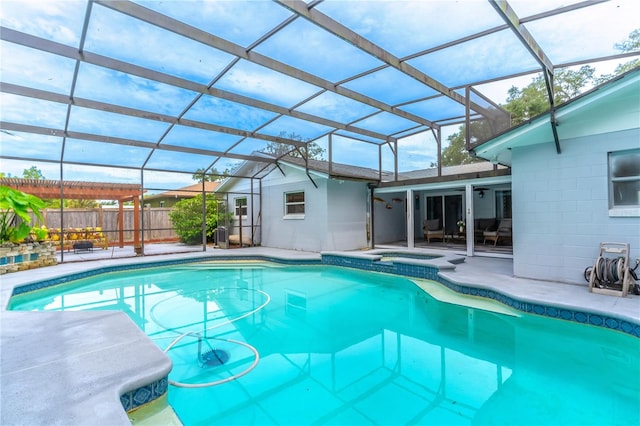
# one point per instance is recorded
(82, 246)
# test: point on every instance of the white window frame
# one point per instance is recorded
(236, 207)
(288, 204)
(622, 210)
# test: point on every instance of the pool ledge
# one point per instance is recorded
(78, 365)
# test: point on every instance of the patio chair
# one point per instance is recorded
(432, 229)
(503, 232)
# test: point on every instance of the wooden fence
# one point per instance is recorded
(157, 226)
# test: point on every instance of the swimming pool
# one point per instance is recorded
(330, 345)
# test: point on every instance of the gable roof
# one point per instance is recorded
(612, 106)
(320, 168)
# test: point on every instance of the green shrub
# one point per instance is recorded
(186, 217)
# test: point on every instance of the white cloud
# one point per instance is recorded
(115, 34)
(25, 110)
(336, 107)
(417, 151)
(307, 47)
(59, 21)
(404, 27)
(34, 68)
(254, 80)
(227, 113)
(241, 22)
(116, 125)
(117, 88)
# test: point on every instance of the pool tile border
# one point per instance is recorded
(25, 288)
(431, 272)
(415, 268)
(136, 398)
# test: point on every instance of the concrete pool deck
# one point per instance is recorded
(71, 367)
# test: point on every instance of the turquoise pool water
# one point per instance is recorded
(257, 343)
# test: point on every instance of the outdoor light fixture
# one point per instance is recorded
(481, 191)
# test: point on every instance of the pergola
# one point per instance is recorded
(204, 86)
(71, 190)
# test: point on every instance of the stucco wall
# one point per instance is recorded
(390, 223)
(296, 234)
(561, 210)
(241, 188)
(346, 216)
(331, 222)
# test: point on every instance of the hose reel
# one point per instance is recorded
(611, 273)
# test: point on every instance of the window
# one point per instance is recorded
(294, 204)
(241, 206)
(161, 203)
(503, 204)
(624, 183)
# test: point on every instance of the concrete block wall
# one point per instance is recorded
(561, 207)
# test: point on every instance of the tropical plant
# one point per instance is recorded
(14, 214)
(39, 233)
(186, 217)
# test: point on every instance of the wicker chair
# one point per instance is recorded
(432, 229)
(503, 232)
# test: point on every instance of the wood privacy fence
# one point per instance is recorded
(157, 226)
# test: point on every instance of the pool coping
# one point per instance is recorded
(150, 383)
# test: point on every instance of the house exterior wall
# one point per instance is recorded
(306, 234)
(561, 206)
(158, 202)
(390, 218)
(346, 216)
(335, 212)
(241, 188)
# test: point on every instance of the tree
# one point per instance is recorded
(186, 217)
(631, 44)
(213, 176)
(456, 153)
(524, 104)
(533, 100)
(32, 173)
(276, 149)
(72, 204)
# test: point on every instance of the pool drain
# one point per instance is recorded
(254, 351)
(212, 357)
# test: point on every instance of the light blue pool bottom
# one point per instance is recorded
(366, 360)
(409, 267)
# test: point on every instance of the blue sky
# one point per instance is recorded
(401, 27)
